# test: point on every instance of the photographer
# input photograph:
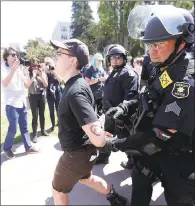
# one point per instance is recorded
(37, 96)
(14, 83)
(53, 90)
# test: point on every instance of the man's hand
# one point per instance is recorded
(16, 65)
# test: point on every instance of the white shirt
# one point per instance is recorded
(14, 94)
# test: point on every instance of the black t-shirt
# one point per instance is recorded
(75, 110)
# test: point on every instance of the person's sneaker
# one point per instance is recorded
(115, 199)
(9, 154)
(44, 133)
(127, 164)
(34, 139)
(32, 150)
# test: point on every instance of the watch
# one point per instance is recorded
(98, 80)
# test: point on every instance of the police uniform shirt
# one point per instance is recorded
(75, 110)
(177, 110)
(146, 68)
(122, 84)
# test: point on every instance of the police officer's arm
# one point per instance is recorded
(84, 112)
(175, 117)
(130, 84)
(145, 72)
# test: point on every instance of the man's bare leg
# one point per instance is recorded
(101, 186)
(97, 183)
(60, 198)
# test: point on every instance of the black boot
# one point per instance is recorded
(128, 164)
(115, 199)
(103, 158)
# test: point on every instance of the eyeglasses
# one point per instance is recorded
(115, 57)
(13, 55)
(59, 53)
(157, 45)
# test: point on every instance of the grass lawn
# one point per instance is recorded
(4, 125)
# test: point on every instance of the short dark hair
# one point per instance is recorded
(6, 52)
(77, 48)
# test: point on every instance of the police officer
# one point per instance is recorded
(122, 84)
(164, 147)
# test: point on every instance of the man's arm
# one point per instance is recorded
(5, 82)
(84, 112)
(91, 81)
(96, 134)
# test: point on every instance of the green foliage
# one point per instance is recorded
(112, 27)
(82, 25)
(36, 50)
(113, 17)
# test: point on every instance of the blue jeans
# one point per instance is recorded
(15, 116)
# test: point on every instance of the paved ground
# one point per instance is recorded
(26, 180)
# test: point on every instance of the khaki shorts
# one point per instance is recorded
(72, 167)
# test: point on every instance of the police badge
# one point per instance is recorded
(180, 90)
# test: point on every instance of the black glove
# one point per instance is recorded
(109, 146)
(123, 109)
(109, 125)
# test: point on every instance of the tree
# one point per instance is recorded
(36, 50)
(113, 17)
(82, 25)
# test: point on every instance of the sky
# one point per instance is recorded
(23, 20)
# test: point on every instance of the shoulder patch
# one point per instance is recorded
(165, 79)
(180, 90)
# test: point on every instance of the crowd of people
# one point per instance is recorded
(144, 103)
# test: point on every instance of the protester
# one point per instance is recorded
(95, 77)
(79, 129)
(13, 85)
(37, 96)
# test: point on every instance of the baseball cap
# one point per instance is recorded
(77, 48)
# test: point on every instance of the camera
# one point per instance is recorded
(51, 68)
(23, 59)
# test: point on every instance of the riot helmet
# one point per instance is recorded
(166, 22)
(117, 49)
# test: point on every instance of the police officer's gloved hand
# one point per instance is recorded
(109, 146)
(109, 125)
(123, 109)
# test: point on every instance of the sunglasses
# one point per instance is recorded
(115, 57)
(13, 55)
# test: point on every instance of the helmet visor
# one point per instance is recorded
(140, 16)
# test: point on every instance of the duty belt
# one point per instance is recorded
(145, 171)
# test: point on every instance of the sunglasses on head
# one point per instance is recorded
(115, 57)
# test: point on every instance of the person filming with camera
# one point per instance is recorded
(37, 96)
